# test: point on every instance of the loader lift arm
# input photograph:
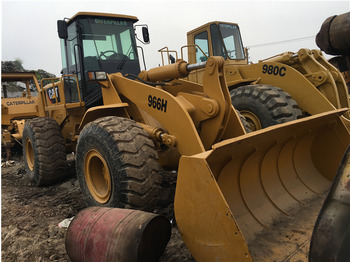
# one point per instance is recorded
(214, 117)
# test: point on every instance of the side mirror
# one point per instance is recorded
(145, 34)
(62, 29)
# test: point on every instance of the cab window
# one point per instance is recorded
(218, 47)
(202, 41)
(232, 41)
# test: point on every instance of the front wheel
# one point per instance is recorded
(264, 105)
(117, 165)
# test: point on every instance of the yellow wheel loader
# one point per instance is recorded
(127, 127)
(279, 89)
(16, 107)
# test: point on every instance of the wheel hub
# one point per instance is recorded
(29, 154)
(97, 176)
(252, 119)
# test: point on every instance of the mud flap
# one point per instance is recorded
(227, 195)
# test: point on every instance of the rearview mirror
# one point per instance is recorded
(62, 29)
(145, 34)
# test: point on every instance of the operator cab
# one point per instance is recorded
(217, 39)
(97, 43)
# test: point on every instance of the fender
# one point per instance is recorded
(101, 111)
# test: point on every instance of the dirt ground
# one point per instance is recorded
(30, 218)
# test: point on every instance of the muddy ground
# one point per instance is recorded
(30, 218)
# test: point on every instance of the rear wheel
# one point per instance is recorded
(43, 150)
(117, 165)
(264, 105)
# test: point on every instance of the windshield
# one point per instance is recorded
(107, 39)
(232, 40)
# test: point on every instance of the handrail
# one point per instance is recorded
(76, 81)
(166, 50)
(168, 53)
(193, 45)
(60, 93)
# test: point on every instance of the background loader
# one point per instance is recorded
(16, 107)
(277, 89)
(128, 127)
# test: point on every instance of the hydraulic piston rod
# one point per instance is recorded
(196, 66)
(177, 70)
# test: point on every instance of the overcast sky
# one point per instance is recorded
(28, 28)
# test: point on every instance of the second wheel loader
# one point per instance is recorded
(16, 107)
(127, 127)
(275, 90)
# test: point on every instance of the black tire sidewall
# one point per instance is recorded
(131, 158)
(28, 133)
(258, 109)
(105, 147)
(249, 98)
(48, 150)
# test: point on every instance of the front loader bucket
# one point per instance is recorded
(228, 197)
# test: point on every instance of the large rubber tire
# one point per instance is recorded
(117, 165)
(264, 105)
(44, 151)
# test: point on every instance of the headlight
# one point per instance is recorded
(101, 75)
(97, 75)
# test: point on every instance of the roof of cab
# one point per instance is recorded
(134, 18)
(17, 76)
(208, 24)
